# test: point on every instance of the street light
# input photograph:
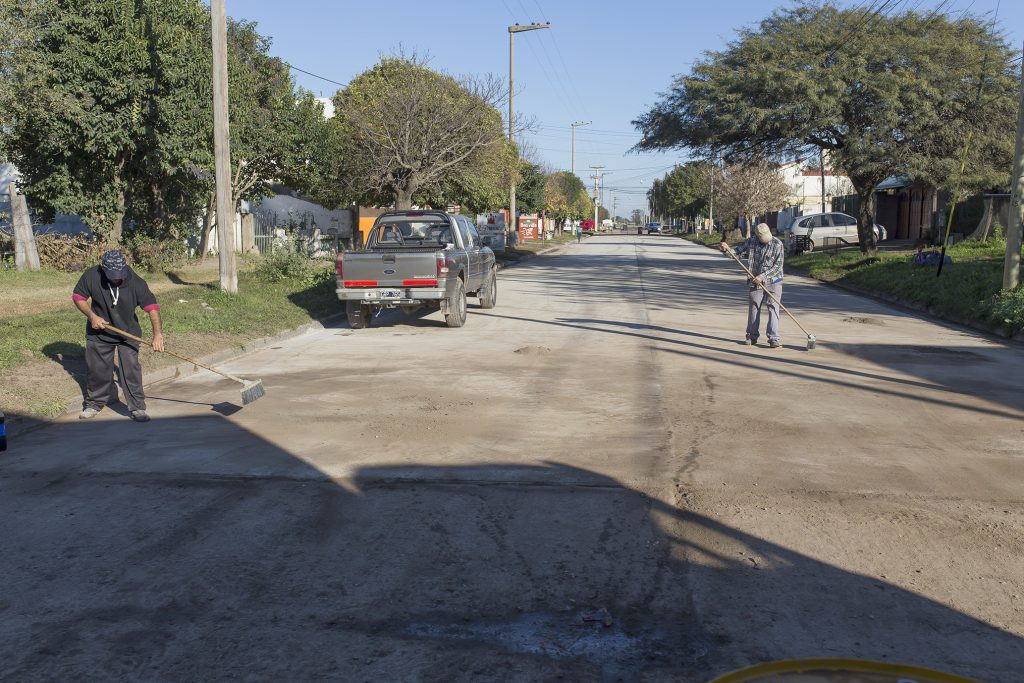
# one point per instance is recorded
(512, 31)
(575, 125)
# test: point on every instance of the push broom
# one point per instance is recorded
(812, 341)
(251, 390)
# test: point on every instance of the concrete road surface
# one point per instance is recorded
(593, 481)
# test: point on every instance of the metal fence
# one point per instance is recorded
(294, 232)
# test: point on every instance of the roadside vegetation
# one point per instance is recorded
(969, 289)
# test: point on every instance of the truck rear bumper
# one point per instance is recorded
(408, 295)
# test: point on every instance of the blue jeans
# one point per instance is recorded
(759, 299)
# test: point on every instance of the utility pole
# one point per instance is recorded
(1011, 266)
(597, 183)
(711, 200)
(821, 164)
(575, 125)
(512, 31)
(222, 151)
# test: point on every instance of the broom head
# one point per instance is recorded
(252, 391)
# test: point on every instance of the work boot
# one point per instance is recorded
(774, 343)
(140, 416)
(750, 342)
(88, 413)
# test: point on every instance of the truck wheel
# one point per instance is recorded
(358, 314)
(489, 292)
(455, 316)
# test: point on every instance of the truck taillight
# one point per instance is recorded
(338, 268)
(442, 265)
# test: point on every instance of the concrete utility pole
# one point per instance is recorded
(222, 151)
(26, 256)
(572, 162)
(821, 164)
(1011, 266)
(512, 31)
(597, 183)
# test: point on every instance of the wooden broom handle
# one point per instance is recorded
(129, 335)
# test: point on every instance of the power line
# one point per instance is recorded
(310, 73)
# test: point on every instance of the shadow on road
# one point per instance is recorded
(191, 549)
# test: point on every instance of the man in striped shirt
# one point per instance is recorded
(764, 254)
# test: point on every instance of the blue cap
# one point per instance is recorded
(114, 265)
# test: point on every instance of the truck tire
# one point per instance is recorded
(489, 292)
(455, 315)
(359, 315)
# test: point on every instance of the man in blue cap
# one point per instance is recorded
(115, 292)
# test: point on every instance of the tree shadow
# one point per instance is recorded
(197, 550)
(71, 357)
(178, 280)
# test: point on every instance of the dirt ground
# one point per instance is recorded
(593, 481)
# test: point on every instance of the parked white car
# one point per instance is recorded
(816, 227)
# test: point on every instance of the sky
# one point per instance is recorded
(605, 63)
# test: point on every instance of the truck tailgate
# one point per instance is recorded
(388, 269)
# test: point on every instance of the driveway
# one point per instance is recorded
(595, 480)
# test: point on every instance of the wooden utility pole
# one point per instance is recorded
(26, 256)
(1011, 266)
(222, 151)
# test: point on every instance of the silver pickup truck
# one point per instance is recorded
(417, 258)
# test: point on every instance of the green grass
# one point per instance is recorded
(708, 239)
(259, 309)
(969, 288)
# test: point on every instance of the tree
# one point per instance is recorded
(565, 198)
(409, 132)
(687, 188)
(637, 216)
(278, 134)
(110, 113)
(530, 189)
(898, 96)
(748, 190)
(82, 117)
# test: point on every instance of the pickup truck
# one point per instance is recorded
(417, 258)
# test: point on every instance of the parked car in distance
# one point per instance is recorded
(808, 232)
(652, 228)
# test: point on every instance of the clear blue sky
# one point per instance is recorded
(600, 62)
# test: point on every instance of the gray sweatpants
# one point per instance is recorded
(99, 384)
(758, 299)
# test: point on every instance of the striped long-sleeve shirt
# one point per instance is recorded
(763, 259)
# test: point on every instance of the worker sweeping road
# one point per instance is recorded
(765, 255)
(115, 291)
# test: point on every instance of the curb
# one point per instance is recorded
(24, 424)
(907, 306)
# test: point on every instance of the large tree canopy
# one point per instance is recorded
(412, 133)
(886, 94)
(107, 112)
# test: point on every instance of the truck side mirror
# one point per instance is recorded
(486, 241)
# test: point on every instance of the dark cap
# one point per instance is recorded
(114, 265)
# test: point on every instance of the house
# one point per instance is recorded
(805, 184)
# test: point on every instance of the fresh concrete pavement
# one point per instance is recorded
(593, 481)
